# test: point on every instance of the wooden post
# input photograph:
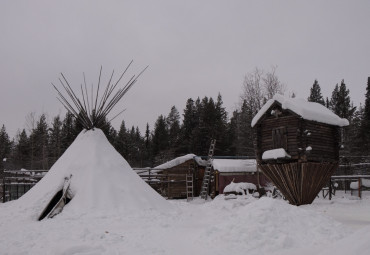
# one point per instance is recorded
(359, 187)
(149, 175)
(330, 189)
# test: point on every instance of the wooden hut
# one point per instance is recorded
(175, 172)
(237, 170)
(297, 146)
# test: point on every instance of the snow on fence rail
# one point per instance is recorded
(354, 183)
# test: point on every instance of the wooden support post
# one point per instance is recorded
(149, 176)
(359, 187)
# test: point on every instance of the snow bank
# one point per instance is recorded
(239, 226)
(307, 110)
(275, 154)
(235, 165)
(102, 180)
(266, 226)
(175, 162)
(240, 187)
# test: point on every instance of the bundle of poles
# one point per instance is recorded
(92, 110)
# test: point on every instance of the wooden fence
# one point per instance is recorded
(168, 185)
(17, 183)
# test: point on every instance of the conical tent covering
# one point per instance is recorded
(100, 180)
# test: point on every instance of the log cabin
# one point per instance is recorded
(237, 170)
(297, 146)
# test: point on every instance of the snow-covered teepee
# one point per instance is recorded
(91, 175)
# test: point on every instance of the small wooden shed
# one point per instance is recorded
(297, 146)
(237, 170)
(176, 171)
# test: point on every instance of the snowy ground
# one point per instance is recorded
(238, 226)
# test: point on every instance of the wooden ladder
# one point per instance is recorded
(189, 187)
(207, 171)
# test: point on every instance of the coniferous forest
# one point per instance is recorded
(40, 144)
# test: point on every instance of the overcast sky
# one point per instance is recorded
(193, 48)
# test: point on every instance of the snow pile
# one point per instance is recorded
(266, 226)
(275, 154)
(307, 110)
(102, 180)
(241, 187)
(364, 183)
(235, 165)
(175, 162)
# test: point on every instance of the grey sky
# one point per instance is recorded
(194, 48)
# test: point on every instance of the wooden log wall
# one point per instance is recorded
(299, 182)
(176, 183)
(324, 140)
(291, 122)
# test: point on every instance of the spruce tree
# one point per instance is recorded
(160, 141)
(41, 140)
(121, 143)
(22, 151)
(340, 102)
(68, 132)
(315, 95)
(173, 124)
(5, 146)
(188, 125)
(221, 126)
(55, 140)
(365, 122)
(148, 147)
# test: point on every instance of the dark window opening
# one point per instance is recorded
(280, 138)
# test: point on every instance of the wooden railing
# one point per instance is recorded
(17, 183)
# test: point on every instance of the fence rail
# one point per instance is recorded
(17, 183)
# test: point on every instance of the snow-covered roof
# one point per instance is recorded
(175, 162)
(275, 154)
(200, 161)
(234, 165)
(307, 110)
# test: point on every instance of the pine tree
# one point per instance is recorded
(121, 143)
(22, 151)
(365, 122)
(327, 103)
(148, 147)
(357, 142)
(315, 95)
(160, 141)
(40, 137)
(173, 124)
(232, 133)
(5, 146)
(188, 125)
(221, 126)
(68, 132)
(340, 102)
(55, 140)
